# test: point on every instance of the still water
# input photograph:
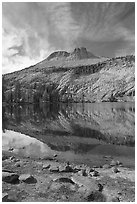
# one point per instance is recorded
(76, 132)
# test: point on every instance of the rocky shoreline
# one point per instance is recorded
(26, 179)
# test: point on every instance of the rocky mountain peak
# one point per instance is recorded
(77, 54)
(58, 54)
(80, 53)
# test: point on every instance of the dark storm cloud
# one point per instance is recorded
(32, 30)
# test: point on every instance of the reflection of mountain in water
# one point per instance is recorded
(111, 122)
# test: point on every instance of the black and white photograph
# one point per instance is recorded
(68, 101)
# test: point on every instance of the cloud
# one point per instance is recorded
(32, 30)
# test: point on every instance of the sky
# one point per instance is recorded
(33, 30)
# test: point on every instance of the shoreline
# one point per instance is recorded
(52, 180)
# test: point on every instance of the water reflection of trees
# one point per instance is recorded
(4, 120)
(78, 148)
(60, 120)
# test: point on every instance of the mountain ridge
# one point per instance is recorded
(77, 54)
(81, 80)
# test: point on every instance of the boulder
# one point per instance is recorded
(8, 198)
(64, 180)
(27, 178)
(95, 196)
(10, 177)
(4, 197)
(83, 181)
(66, 168)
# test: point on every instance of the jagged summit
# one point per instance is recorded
(77, 54)
(58, 54)
(82, 53)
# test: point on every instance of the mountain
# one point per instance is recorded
(77, 54)
(79, 77)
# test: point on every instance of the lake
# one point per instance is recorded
(80, 133)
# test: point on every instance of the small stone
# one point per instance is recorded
(107, 157)
(10, 177)
(62, 168)
(118, 163)
(121, 165)
(113, 163)
(27, 178)
(83, 172)
(54, 169)
(115, 170)
(116, 199)
(91, 170)
(77, 168)
(68, 163)
(65, 168)
(64, 197)
(12, 157)
(16, 160)
(95, 166)
(11, 149)
(46, 166)
(55, 155)
(119, 193)
(18, 165)
(106, 166)
(100, 187)
(49, 158)
(95, 173)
